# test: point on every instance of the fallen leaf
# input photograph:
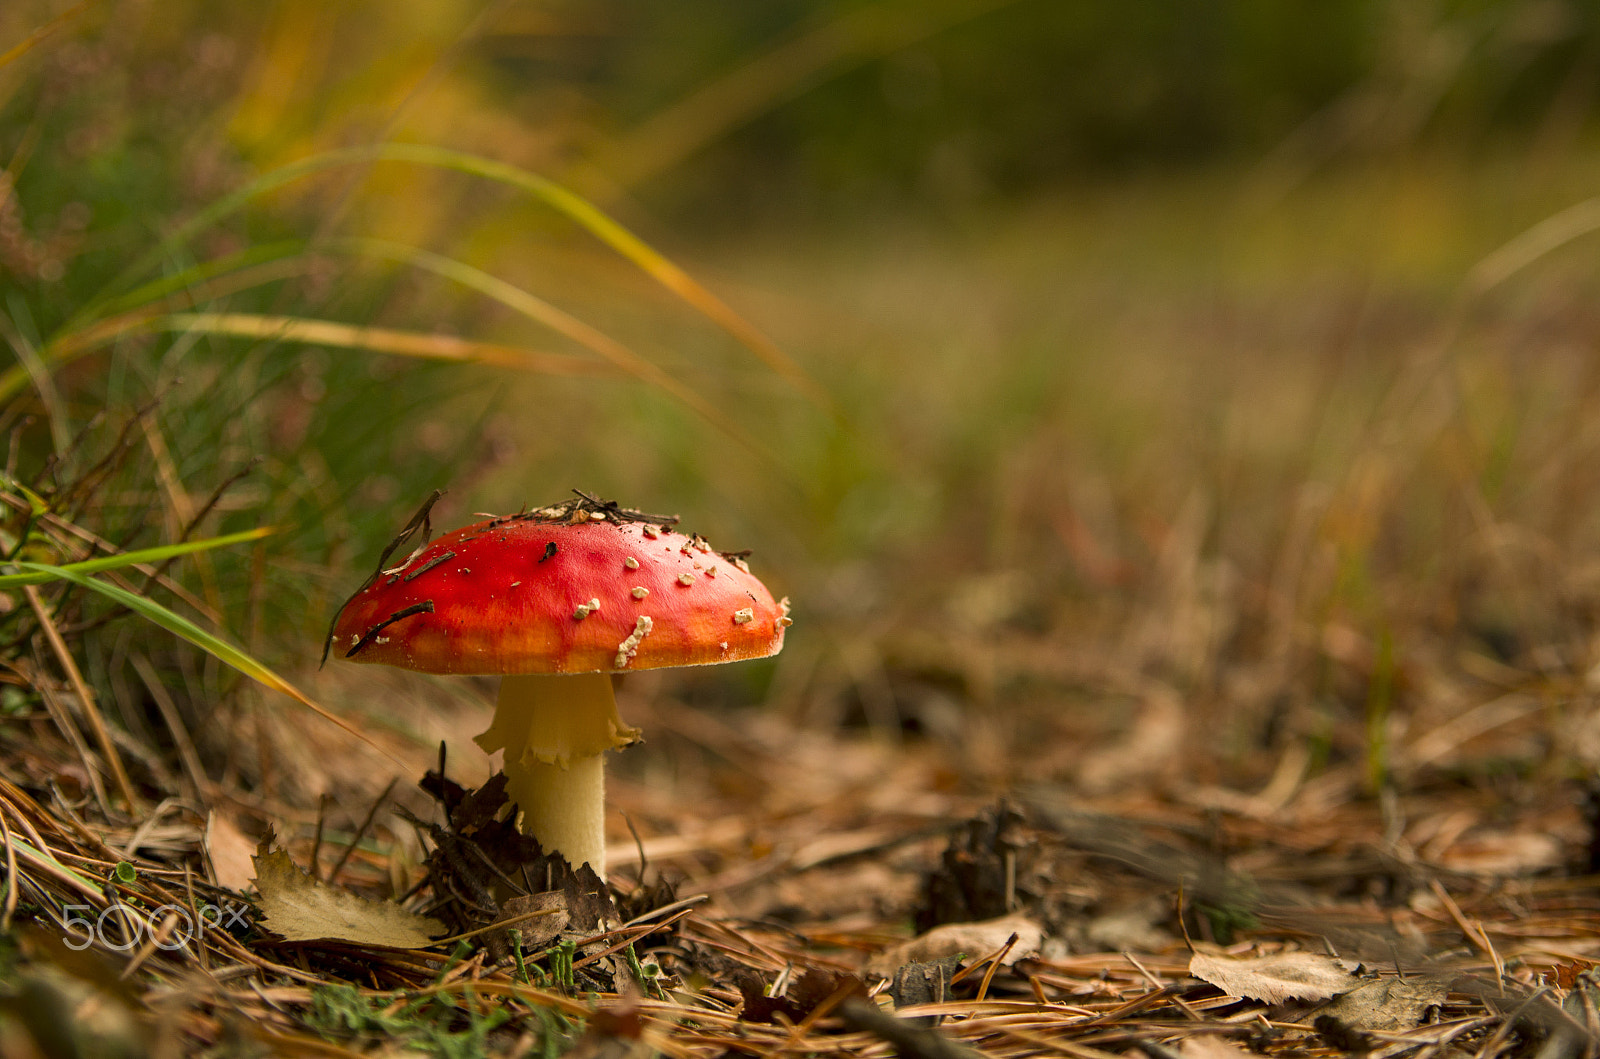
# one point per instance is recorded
(1276, 979)
(923, 983)
(970, 939)
(1504, 853)
(229, 850)
(1209, 1046)
(539, 930)
(807, 993)
(817, 985)
(299, 908)
(538, 920)
(1129, 929)
(483, 832)
(1388, 1005)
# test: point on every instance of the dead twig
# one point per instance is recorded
(912, 1042)
(85, 698)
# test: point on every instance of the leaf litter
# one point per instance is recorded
(296, 907)
(1276, 979)
(798, 890)
(750, 970)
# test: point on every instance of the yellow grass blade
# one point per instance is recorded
(310, 332)
(630, 246)
(1548, 235)
(38, 36)
(376, 340)
(536, 308)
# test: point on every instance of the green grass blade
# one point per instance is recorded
(216, 647)
(41, 859)
(144, 555)
(157, 289)
(106, 322)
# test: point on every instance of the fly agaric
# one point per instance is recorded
(554, 601)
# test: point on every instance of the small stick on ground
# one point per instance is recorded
(361, 832)
(101, 734)
(174, 721)
(1476, 937)
(912, 1042)
(316, 841)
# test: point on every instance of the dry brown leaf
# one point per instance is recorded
(1276, 979)
(1132, 929)
(1389, 1005)
(299, 908)
(229, 850)
(813, 988)
(539, 930)
(1209, 1046)
(974, 940)
(1504, 853)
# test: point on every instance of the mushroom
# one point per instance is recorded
(554, 601)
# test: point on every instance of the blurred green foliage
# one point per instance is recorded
(1025, 95)
(946, 102)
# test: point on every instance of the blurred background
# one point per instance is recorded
(1188, 394)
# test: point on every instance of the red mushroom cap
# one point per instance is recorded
(576, 588)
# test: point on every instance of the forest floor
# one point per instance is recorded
(778, 890)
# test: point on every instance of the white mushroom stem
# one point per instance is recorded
(555, 730)
(564, 808)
